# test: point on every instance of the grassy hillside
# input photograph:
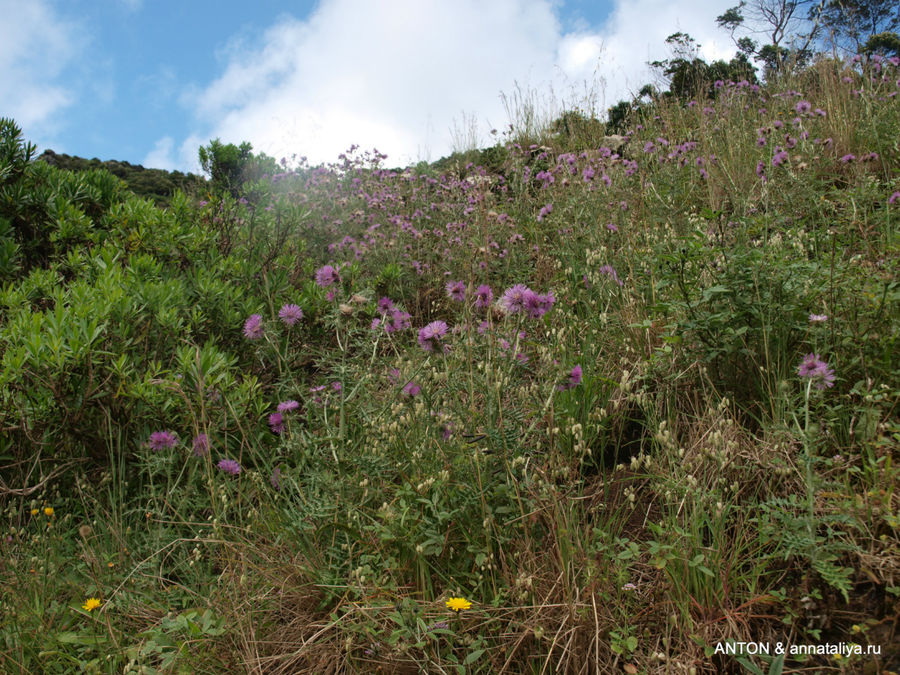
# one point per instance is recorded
(588, 410)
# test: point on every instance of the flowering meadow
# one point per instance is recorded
(552, 407)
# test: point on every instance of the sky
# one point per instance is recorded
(150, 81)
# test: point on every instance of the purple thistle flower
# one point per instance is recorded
(290, 314)
(456, 290)
(411, 389)
(611, 273)
(780, 158)
(803, 107)
(431, 335)
(818, 318)
(817, 371)
(288, 406)
(545, 211)
(894, 197)
(849, 157)
(201, 445)
(612, 227)
(253, 328)
(276, 422)
(513, 299)
(575, 376)
(161, 440)
(537, 305)
(385, 305)
(484, 296)
(326, 276)
(231, 466)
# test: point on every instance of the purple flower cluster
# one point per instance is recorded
(162, 440)
(456, 290)
(392, 318)
(430, 336)
(520, 298)
(326, 276)
(817, 370)
(253, 328)
(290, 314)
(231, 466)
(575, 376)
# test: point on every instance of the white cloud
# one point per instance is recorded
(161, 156)
(35, 48)
(397, 73)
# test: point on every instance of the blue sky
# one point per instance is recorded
(148, 81)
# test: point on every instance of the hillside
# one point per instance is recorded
(592, 404)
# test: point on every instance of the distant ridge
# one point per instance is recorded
(156, 184)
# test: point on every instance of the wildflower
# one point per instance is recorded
(275, 478)
(458, 604)
(611, 273)
(337, 386)
(411, 389)
(612, 227)
(513, 299)
(629, 587)
(431, 335)
(200, 445)
(761, 170)
(34, 512)
(439, 625)
(91, 604)
(537, 305)
(849, 157)
(229, 466)
(326, 276)
(803, 107)
(894, 197)
(290, 314)
(385, 305)
(575, 376)
(545, 211)
(48, 511)
(456, 290)
(484, 296)
(818, 318)
(817, 371)
(253, 329)
(276, 422)
(160, 440)
(779, 158)
(288, 406)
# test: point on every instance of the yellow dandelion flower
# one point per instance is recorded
(91, 604)
(458, 604)
(34, 512)
(48, 511)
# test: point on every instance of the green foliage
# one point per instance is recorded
(230, 166)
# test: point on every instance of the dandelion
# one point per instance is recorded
(817, 370)
(231, 466)
(288, 406)
(326, 276)
(253, 328)
(290, 314)
(456, 290)
(48, 511)
(160, 440)
(276, 422)
(458, 604)
(91, 604)
(200, 445)
(431, 335)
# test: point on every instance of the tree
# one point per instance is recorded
(225, 164)
(789, 27)
(863, 25)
